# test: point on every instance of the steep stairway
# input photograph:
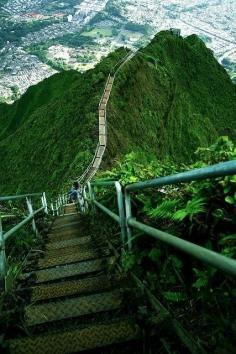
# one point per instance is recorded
(74, 304)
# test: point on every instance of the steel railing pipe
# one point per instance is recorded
(219, 170)
(226, 264)
(9, 233)
(15, 197)
(108, 211)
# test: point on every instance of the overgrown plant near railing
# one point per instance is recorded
(201, 211)
(31, 206)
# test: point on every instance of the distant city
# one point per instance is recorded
(41, 37)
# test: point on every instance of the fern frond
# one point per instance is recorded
(165, 209)
(175, 296)
(193, 207)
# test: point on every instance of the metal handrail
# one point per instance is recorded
(4, 236)
(15, 197)
(226, 264)
(218, 170)
(212, 258)
(9, 233)
(120, 203)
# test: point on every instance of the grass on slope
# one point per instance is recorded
(171, 98)
(52, 131)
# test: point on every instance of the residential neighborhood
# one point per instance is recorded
(76, 34)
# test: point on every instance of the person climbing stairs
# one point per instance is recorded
(74, 304)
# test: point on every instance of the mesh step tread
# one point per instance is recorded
(67, 225)
(69, 270)
(67, 259)
(69, 308)
(52, 253)
(64, 219)
(64, 236)
(69, 208)
(73, 287)
(67, 243)
(77, 340)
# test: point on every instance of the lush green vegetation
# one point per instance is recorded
(200, 297)
(40, 50)
(135, 27)
(170, 98)
(49, 135)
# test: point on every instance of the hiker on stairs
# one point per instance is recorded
(73, 192)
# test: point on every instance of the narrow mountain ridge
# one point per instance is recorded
(170, 98)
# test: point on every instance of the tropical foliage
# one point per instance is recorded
(202, 212)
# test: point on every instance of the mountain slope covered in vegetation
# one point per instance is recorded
(50, 134)
(169, 99)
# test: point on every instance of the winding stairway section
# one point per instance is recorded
(74, 304)
(102, 144)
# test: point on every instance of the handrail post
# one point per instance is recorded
(45, 202)
(120, 202)
(128, 210)
(3, 259)
(81, 200)
(42, 201)
(31, 212)
(84, 193)
(62, 204)
(57, 212)
(52, 208)
(59, 205)
(91, 195)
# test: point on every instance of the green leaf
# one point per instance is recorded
(230, 200)
(200, 283)
(218, 213)
(177, 263)
(193, 207)
(227, 189)
(227, 238)
(155, 255)
(180, 215)
(165, 210)
(174, 296)
(229, 251)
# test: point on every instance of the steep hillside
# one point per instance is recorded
(169, 99)
(13, 116)
(49, 135)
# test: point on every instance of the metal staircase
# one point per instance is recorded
(74, 306)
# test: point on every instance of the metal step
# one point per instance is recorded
(66, 259)
(69, 288)
(72, 225)
(70, 208)
(54, 237)
(66, 271)
(77, 340)
(66, 219)
(52, 253)
(68, 243)
(70, 308)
